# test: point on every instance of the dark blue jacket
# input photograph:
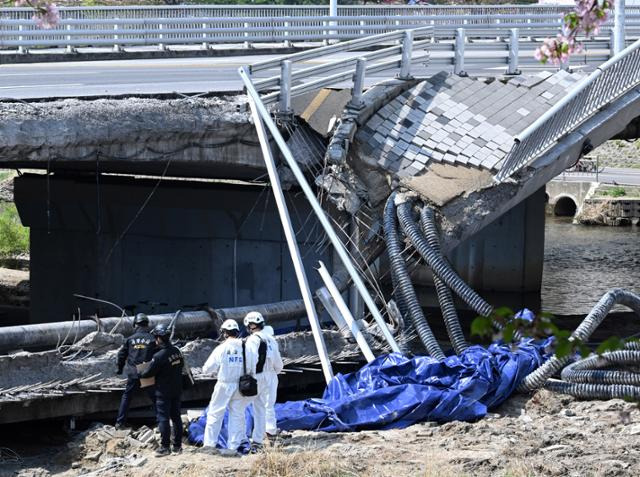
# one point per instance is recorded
(139, 348)
(166, 366)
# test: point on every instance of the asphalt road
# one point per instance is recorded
(609, 175)
(156, 76)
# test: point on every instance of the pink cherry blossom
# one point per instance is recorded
(47, 16)
(586, 19)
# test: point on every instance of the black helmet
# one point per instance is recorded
(161, 330)
(141, 320)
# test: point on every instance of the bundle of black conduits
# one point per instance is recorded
(586, 378)
(445, 298)
(438, 264)
(589, 378)
(405, 293)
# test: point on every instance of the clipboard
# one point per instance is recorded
(145, 382)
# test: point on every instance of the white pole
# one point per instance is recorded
(311, 197)
(618, 26)
(346, 313)
(291, 242)
(333, 12)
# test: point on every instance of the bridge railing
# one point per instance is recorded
(608, 82)
(161, 26)
(392, 57)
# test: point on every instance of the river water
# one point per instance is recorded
(582, 262)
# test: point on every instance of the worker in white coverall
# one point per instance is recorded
(269, 364)
(226, 361)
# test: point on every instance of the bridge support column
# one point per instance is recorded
(177, 252)
(504, 261)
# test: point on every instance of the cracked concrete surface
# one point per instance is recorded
(205, 137)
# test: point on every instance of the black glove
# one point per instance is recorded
(119, 371)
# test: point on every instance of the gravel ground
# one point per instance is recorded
(542, 434)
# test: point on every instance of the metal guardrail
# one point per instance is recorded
(161, 26)
(610, 81)
(355, 67)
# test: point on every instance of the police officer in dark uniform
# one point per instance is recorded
(139, 348)
(166, 366)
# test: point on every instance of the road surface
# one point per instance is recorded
(182, 75)
(609, 175)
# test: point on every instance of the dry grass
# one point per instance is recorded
(276, 462)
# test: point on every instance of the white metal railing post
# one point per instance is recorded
(161, 45)
(317, 209)
(612, 43)
(285, 86)
(358, 83)
(346, 313)
(205, 43)
(362, 23)
(514, 49)
(564, 65)
(333, 12)
(407, 54)
(247, 43)
(324, 33)
(458, 54)
(116, 47)
(70, 48)
(397, 24)
(292, 244)
(287, 43)
(21, 49)
(618, 27)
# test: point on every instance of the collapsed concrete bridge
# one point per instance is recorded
(209, 236)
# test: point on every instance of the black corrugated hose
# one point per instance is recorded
(581, 380)
(438, 264)
(405, 293)
(445, 298)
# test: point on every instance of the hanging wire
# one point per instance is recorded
(142, 207)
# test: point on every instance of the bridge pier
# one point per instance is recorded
(193, 243)
(503, 262)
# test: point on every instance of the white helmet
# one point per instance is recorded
(230, 325)
(253, 317)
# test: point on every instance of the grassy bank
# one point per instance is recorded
(14, 237)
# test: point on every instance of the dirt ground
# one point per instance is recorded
(542, 434)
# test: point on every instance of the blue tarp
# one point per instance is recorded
(395, 391)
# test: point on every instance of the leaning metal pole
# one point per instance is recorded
(289, 234)
(346, 313)
(335, 240)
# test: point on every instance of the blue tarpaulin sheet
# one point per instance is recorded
(395, 391)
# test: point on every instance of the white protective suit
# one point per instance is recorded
(226, 361)
(264, 415)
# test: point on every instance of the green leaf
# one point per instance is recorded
(503, 312)
(481, 326)
(563, 348)
(508, 332)
(610, 344)
(585, 351)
